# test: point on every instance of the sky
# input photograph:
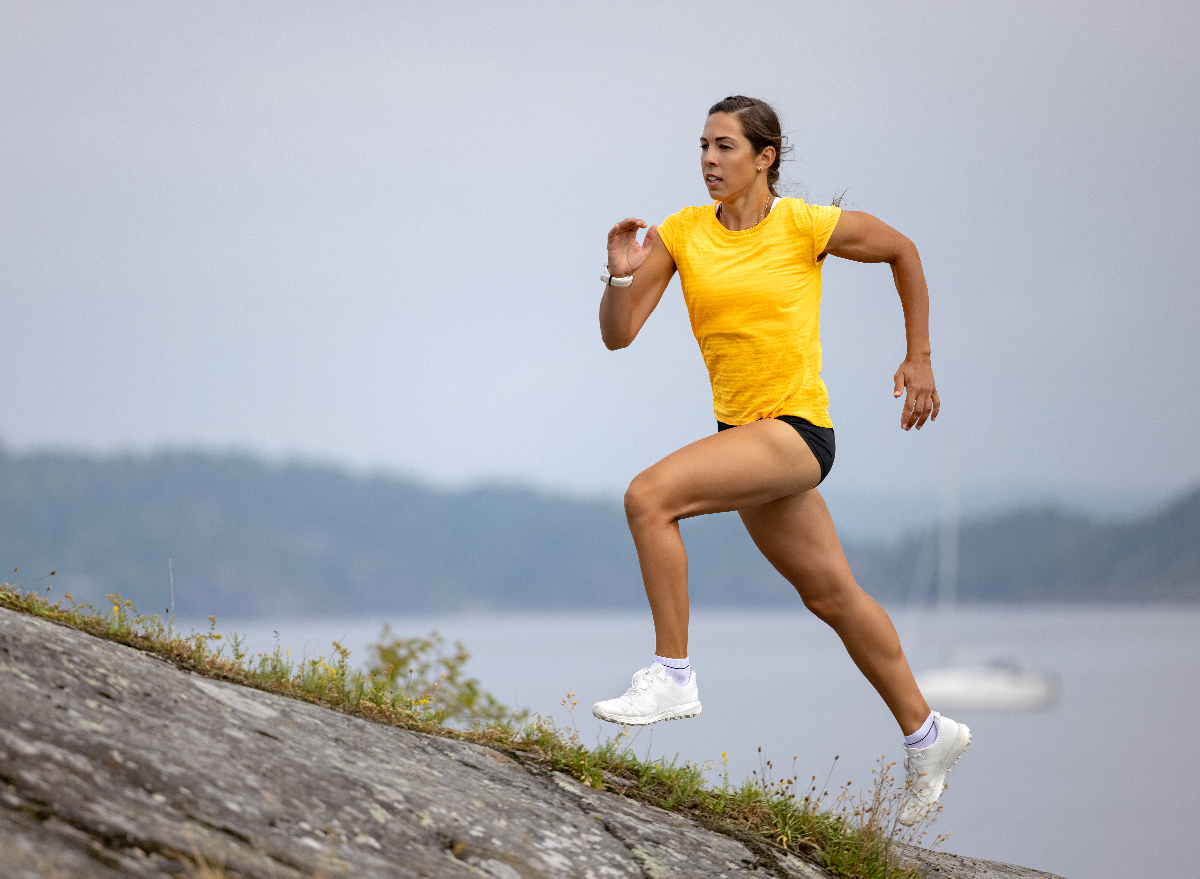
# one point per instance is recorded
(370, 234)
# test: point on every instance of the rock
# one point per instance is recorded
(942, 865)
(114, 763)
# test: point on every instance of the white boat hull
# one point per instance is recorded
(987, 688)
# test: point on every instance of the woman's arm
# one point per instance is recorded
(863, 238)
(624, 310)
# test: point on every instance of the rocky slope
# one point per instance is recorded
(114, 763)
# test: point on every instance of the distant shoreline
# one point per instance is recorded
(248, 538)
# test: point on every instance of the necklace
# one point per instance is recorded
(766, 210)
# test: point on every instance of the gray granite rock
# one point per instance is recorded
(114, 763)
(942, 865)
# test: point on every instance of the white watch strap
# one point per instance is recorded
(612, 281)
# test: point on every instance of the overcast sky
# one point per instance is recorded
(370, 233)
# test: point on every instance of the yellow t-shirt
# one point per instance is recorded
(754, 298)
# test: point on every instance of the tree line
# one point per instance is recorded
(231, 534)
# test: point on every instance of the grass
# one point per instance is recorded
(414, 685)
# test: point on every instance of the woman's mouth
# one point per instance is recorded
(711, 180)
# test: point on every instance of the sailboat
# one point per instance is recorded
(1001, 685)
(997, 686)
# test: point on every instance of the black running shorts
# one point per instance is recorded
(819, 439)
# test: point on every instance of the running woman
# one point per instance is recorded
(750, 268)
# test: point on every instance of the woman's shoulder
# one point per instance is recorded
(681, 225)
(795, 203)
(693, 213)
(807, 215)
(810, 225)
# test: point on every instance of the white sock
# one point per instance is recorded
(678, 670)
(924, 737)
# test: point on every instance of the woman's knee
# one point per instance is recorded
(645, 499)
(829, 597)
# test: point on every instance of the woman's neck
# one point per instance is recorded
(746, 211)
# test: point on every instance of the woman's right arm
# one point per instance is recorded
(624, 310)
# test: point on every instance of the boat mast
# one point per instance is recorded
(947, 597)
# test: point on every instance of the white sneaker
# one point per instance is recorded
(926, 769)
(652, 697)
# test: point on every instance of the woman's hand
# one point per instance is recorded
(623, 310)
(625, 255)
(916, 376)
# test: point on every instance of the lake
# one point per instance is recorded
(1103, 784)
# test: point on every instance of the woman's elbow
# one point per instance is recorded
(613, 342)
(614, 335)
(905, 250)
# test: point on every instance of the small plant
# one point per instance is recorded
(421, 666)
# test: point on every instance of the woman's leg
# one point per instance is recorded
(797, 536)
(744, 467)
(766, 471)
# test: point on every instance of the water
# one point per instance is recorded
(1104, 784)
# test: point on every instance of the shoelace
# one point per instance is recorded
(913, 777)
(642, 681)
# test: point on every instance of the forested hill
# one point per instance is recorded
(246, 537)
(1046, 554)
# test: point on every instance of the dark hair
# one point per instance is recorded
(760, 126)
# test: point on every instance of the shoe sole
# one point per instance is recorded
(960, 747)
(679, 712)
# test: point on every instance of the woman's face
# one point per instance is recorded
(727, 161)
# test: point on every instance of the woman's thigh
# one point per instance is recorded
(797, 536)
(746, 466)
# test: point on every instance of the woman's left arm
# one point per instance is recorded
(864, 238)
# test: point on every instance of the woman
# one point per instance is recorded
(750, 267)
